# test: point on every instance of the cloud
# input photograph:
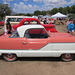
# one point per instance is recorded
(55, 3)
(7, 0)
(22, 8)
(25, 0)
(45, 5)
(72, 1)
(5, 3)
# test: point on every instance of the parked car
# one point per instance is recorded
(14, 19)
(2, 23)
(33, 21)
(35, 41)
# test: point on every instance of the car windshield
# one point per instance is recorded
(14, 34)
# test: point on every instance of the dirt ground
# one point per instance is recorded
(38, 66)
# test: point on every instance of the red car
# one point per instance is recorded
(33, 21)
(1, 23)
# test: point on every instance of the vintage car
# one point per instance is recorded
(35, 41)
(2, 23)
(14, 19)
(33, 21)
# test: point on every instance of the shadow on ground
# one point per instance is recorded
(54, 59)
(51, 59)
(39, 59)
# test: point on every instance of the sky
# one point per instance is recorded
(29, 6)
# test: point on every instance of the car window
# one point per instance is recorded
(12, 19)
(34, 22)
(19, 19)
(36, 33)
(14, 35)
(26, 23)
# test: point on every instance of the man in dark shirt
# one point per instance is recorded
(45, 21)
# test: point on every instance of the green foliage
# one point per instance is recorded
(73, 9)
(43, 12)
(65, 10)
(72, 16)
(28, 14)
(54, 11)
(0, 18)
(60, 9)
(4, 10)
(37, 12)
(22, 14)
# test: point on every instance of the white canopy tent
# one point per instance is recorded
(35, 17)
(58, 15)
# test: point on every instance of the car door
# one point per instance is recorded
(36, 45)
(33, 44)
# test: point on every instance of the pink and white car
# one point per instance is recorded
(35, 41)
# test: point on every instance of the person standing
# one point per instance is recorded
(45, 21)
(8, 28)
(74, 24)
(67, 25)
(71, 27)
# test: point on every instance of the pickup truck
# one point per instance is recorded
(33, 21)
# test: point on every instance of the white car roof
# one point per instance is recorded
(21, 30)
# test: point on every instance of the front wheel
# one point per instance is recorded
(9, 57)
(67, 57)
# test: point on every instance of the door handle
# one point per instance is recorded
(24, 42)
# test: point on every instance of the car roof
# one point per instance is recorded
(21, 30)
(18, 17)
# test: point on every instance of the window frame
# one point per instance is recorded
(36, 38)
(19, 18)
(35, 21)
(13, 19)
(26, 24)
(13, 34)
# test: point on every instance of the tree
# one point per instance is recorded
(37, 12)
(61, 9)
(28, 14)
(67, 9)
(4, 10)
(73, 9)
(54, 11)
(43, 13)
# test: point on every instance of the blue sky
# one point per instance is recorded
(29, 6)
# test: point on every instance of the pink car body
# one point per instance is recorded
(35, 41)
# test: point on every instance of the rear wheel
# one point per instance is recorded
(9, 57)
(67, 57)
